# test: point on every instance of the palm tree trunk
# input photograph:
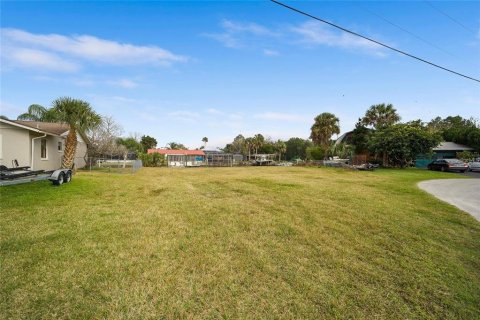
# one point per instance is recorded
(70, 148)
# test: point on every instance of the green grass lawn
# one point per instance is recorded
(246, 243)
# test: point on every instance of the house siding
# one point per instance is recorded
(54, 158)
(15, 145)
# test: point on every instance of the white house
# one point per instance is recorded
(39, 145)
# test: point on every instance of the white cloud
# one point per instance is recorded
(124, 83)
(226, 39)
(248, 27)
(83, 82)
(214, 111)
(185, 116)
(124, 99)
(239, 34)
(270, 53)
(32, 58)
(56, 51)
(288, 117)
(234, 33)
(315, 33)
(10, 110)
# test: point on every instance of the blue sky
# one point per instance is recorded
(179, 71)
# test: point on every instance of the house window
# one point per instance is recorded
(1, 147)
(59, 146)
(43, 149)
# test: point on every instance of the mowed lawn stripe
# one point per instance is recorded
(248, 243)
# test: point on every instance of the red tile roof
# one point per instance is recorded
(178, 152)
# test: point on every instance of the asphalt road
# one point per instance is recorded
(462, 193)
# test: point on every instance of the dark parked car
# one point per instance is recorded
(448, 165)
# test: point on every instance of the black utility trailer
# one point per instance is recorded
(17, 175)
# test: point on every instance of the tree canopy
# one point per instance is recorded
(380, 116)
(176, 146)
(326, 124)
(148, 142)
(403, 142)
(79, 116)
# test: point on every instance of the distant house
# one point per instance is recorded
(181, 158)
(39, 145)
(445, 150)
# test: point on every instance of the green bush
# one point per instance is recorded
(466, 155)
(315, 153)
(152, 159)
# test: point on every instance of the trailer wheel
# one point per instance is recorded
(68, 177)
(60, 180)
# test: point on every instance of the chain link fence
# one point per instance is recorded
(105, 164)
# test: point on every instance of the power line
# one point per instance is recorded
(449, 17)
(374, 41)
(406, 31)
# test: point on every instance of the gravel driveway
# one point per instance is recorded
(462, 193)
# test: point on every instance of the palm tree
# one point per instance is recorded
(249, 145)
(80, 117)
(257, 142)
(37, 112)
(205, 140)
(380, 116)
(281, 147)
(326, 125)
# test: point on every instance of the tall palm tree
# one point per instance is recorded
(380, 116)
(249, 145)
(257, 142)
(281, 147)
(326, 124)
(80, 117)
(37, 112)
(204, 140)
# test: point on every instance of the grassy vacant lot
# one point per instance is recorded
(258, 243)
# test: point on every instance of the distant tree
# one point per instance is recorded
(316, 153)
(401, 143)
(360, 138)
(148, 142)
(238, 145)
(281, 148)
(326, 124)
(175, 146)
(37, 112)
(249, 144)
(268, 147)
(79, 116)
(341, 150)
(457, 129)
(204, 140)
(297, 148)
(3, 117)
(380, 116)
(129, 145)
(257, 142)
(102, 139)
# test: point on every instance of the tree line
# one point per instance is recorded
(379, 133)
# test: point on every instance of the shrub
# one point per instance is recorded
(315, 153)
(152, 159)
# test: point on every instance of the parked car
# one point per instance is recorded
(448, 165)
(474, 165)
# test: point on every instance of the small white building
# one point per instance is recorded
(39, 145)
